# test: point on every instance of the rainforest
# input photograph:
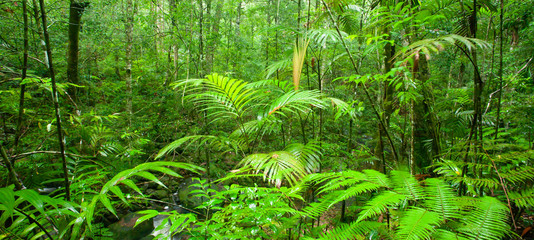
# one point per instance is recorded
(267, 119)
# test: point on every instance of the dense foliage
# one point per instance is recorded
(244, 119)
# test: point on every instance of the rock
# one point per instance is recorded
(160, 194)
(124, 229)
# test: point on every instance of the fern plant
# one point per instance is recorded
(427, 209)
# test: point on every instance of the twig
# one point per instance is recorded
(504, 189)
(35, 221)
(18, 156)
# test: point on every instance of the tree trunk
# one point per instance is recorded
(24, 72)
(128, 57)
(200, 38)
(10, 169)
(55, 100)
(75, 15)
(501, 40)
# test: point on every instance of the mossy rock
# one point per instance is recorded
(124, 229)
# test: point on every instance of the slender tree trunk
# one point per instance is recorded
(200, 38)
(128, 57)
(75, 15)
(501, 41)
(24, 72)
(10, 169)
(55, 100)
(476, 128)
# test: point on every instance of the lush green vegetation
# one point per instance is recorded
(243, 119)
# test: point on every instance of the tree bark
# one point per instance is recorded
(10, 169)
(501, 41)
(75, 16)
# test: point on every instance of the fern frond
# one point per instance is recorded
(443, 234)
(521, 175)
(406, 184)
(380, 204)
(354, 230)
(487, 220)
(524, 199)
(441, 199)
(356, 190)
(377, 177)
(317, 209)
(418, 223)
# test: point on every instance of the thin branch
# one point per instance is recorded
(35, 221)
(504, 189)
(22, 155)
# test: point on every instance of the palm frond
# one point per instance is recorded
(299, 54)
(277, 67)
(296, 101)
(279, 86)
(199, 141)
(221, 97)
(276, 166)
(309, 154)
(434, 45)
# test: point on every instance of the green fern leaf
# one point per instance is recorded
(524, 199)
(417, 223)
(406, 184)
(380, 204)
(441, 199)
(487, 221)
(354, 230)
(377, 177)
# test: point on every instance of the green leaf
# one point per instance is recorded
(380, 204)
(417, 223)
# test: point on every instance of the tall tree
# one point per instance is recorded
(75, 16)
(55, 100)
(128, 27)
